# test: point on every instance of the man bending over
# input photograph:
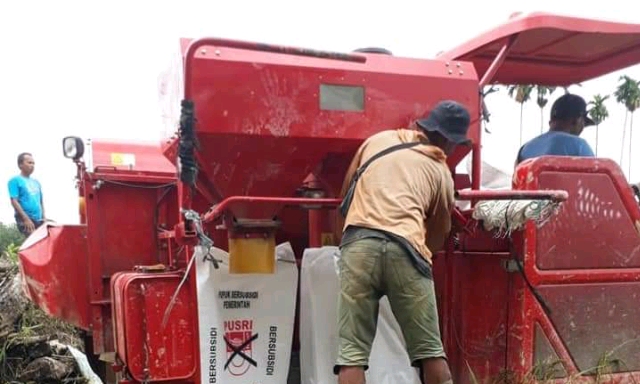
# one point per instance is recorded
(398, 215)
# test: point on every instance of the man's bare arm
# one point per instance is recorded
(29, 225)
(16, 205)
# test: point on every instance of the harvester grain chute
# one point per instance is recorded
(185, 267)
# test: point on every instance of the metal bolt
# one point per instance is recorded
(447, 63)
(450, 71)
(458, 65)
(203, 51)
(217, 52)
(461, 73)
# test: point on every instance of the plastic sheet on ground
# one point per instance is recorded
(389, 361)
(83, 366)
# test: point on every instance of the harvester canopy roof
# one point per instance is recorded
(552, 50)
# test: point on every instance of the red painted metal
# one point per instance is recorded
(512, 195)
(229, 203)
(487, 77)
(584, 264)
(476, 164)
(291, 134)
(48, 257)
(154, 352)
(148, 159)
(266, 145)
(553, 50)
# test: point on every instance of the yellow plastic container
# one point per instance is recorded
(82, 205)
(252, 255)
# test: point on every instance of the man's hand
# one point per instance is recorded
(459, 222)
(28, 225)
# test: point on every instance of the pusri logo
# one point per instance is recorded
(239, 339)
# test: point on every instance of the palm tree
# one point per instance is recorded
(628, 94)
(522, 94)
(566, 88)
(485, 111)
(598, 112)
(542, 100)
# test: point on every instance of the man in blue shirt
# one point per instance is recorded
(568, 119)
(26, 196)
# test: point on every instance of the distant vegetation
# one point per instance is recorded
(626, 95)
(9, 234)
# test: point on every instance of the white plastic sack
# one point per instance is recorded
(319, 288)
(83, 366)
(246, 321)
(491, 177)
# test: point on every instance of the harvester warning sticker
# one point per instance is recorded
(246, 321)
(123, 159)
(238, 337)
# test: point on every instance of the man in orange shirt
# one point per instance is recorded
(397, 212)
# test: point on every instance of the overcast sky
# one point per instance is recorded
(74, 68)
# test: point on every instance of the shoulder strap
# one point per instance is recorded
(386, 151)
(346, 201)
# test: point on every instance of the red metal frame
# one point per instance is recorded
(612, 170)
(476, 155)
(218, 209)
(497, 62)
(527, 309)
(512, 195)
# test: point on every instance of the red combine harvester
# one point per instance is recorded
(174, 271)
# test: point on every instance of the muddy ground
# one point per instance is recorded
(33, 346)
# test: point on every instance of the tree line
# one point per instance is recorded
(627, 93)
